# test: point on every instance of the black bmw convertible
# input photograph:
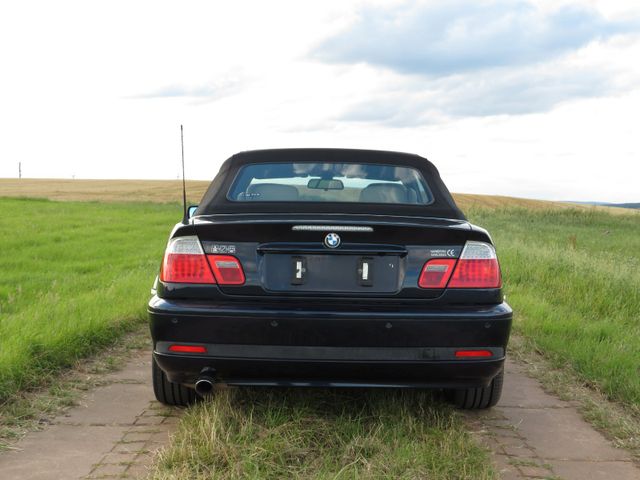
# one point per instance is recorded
(331, 268)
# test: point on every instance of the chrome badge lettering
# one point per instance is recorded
(219, 248)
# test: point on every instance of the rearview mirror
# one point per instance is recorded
(325, 184)
(191, 209)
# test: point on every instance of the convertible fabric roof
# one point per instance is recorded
(215, 199)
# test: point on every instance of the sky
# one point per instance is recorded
(528, 98)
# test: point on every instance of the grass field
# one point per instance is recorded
(573, 279)
(171, 191)
(76, 275)
(323, 434)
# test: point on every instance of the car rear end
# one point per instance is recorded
(355, 292)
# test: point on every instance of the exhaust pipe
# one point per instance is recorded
(204, 384)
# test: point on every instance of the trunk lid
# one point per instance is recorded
(380, 256)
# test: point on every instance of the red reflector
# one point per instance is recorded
(188, 348)
(227, 269)
(186, 268)
(476, 273)
(436, 273)
(473, 353)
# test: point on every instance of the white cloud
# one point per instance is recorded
(446, 38)
(238, 76)
(498, 92)
(468, 58)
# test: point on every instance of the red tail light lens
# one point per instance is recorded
(227, 269)
(477, 267)
(436, 273)
(185, 268)
(185, 262)
(476, 274)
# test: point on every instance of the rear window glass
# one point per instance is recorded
(329, 182)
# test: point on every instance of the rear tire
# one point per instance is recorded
(478, 398)
(170, 393)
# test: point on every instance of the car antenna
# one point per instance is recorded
(185, 218)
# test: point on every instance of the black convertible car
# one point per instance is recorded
(329, 267)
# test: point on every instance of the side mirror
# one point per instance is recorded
(191, 209)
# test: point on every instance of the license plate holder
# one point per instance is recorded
(365, 271)
(298, 270)
(330, 273)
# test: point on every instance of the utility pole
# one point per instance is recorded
(19, 169)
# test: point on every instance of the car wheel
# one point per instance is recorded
(478, 398)
(170, 393)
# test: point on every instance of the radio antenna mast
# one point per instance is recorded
(185, 218)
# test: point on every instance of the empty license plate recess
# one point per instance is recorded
(331, 273)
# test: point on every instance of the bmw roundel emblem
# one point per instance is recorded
(332, 240)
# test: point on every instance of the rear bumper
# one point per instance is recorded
(263, 344)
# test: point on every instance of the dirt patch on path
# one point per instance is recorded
(535, 435)
(113, 433)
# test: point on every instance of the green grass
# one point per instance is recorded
(76, 276)
(73, 278)
(573, 280)
(572, 277)
(322, 434)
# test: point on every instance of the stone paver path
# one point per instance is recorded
(118, 427)
(535, 435)
(113, 433)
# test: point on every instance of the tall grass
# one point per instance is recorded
(73, 277)
(322, 434)
(76, 275)
(573, 279)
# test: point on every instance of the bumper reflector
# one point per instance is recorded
(188, 348)
(473, 353)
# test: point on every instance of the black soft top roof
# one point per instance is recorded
(215, 198)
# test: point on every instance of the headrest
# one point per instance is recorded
(384, 193)
(272, 192)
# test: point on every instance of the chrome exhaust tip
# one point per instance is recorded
(205, 383)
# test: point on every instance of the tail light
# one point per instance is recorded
(185, 262)
(477, 267)
(436, 273)
(227, 269)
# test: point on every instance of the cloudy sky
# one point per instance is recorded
(530, 98)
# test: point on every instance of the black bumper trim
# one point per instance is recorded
(197, 308)
(324, 353)
(253, 344)
(185, 369)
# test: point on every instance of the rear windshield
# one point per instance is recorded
(329, 182)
